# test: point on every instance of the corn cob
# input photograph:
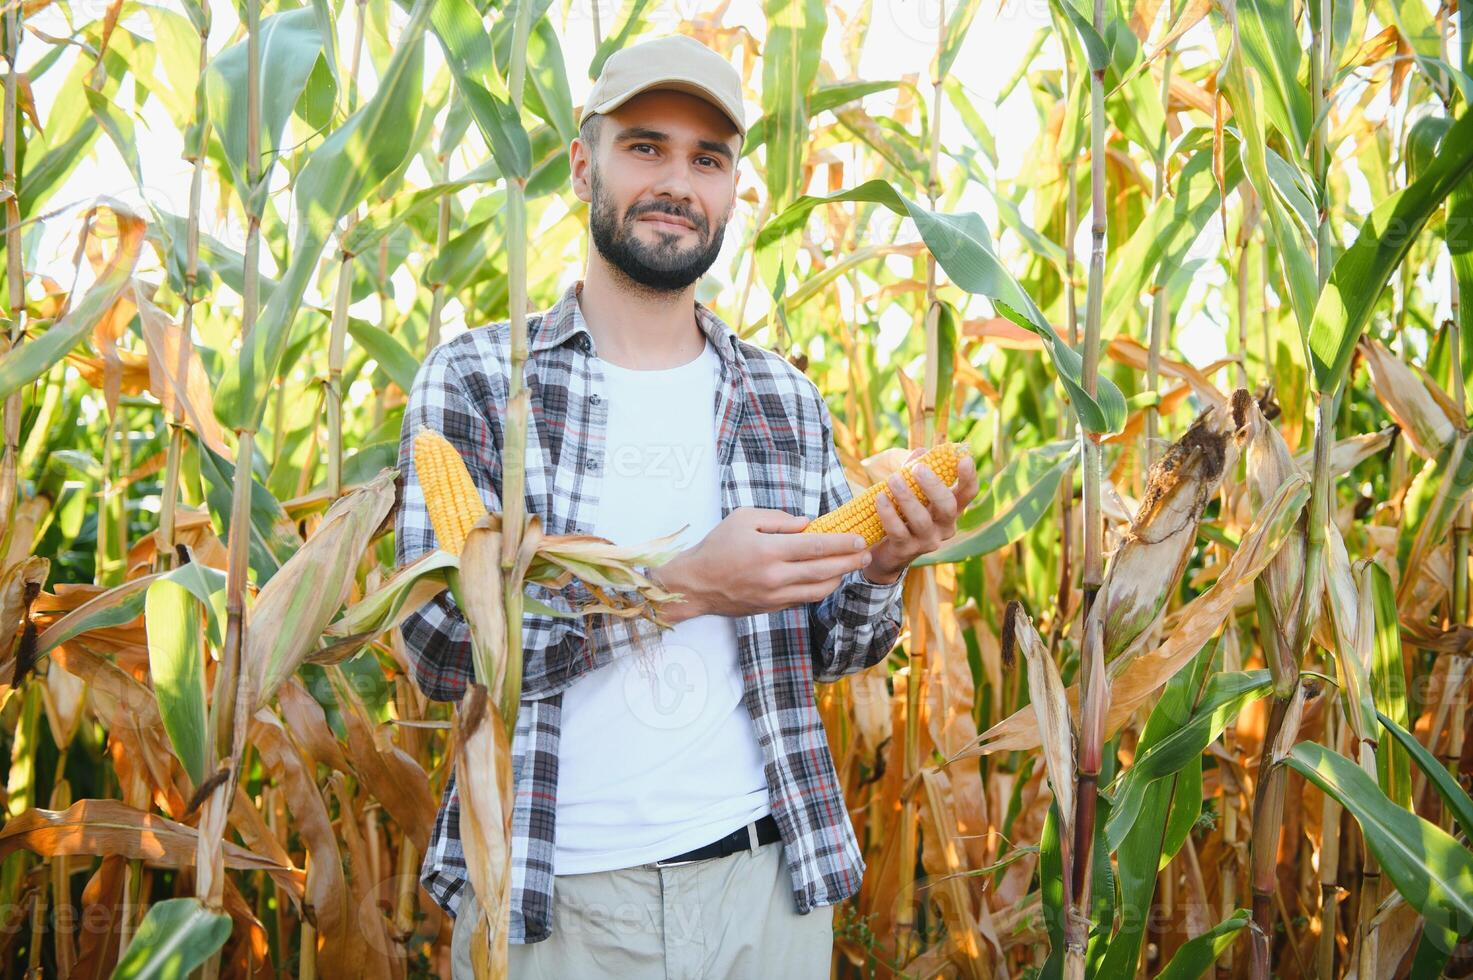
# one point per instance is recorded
(860, 515)
(450, 494)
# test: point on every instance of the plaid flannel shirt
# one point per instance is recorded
(775, 450)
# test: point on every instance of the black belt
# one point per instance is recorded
(737, 840)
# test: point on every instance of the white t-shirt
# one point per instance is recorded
(658, 753)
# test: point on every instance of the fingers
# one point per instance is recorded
(942, 501)
(777, 521)
(966, 483)
(817, 588)
(824, 570)
(812, 547)
(912, 513)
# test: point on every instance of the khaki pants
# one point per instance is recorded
(723, 917)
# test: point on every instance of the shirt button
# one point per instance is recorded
(594, 398)
(584, 343)
(591, 462)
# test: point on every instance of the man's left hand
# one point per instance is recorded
(916, 529)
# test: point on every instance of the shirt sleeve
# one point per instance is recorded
(436, 636)
(856, 625)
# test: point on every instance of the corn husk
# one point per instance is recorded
(1139, 677)
(292, 610)
(483, 782)
(1349, 630)
(1147, 567)
(1050, 708)
(1407, 398)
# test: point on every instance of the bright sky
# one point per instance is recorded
(901, 40)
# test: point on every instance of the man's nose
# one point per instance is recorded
(674, 181)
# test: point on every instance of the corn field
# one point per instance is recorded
(1186, 696)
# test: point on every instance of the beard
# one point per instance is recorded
(663, 267)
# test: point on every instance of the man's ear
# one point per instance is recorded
(578, 164)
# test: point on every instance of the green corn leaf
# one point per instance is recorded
(176, 666)
(123, 603)
(386, 349)
(1385, 237)
(1168, 809)
(790, 57)
(28, 361)
(176, 937)
(956, 32)
(1051, 880)
(1171, 225)
(118, 126)
(1197, 955)
(821, 99)
(1225, 696)
(1095, 48)
(1271, 45)
(1433, 872)
(1388, 688)
(272, 541)
(470, 56)
(634, 24)
(290, 44)
(1458, 802)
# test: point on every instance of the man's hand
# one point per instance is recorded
(917, 529)
(754, 562)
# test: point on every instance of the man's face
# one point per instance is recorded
(659, 186)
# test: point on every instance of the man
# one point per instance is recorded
(677, 811)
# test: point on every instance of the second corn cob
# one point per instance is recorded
(860, 515)
(451, 497)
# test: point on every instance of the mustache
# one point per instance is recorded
(636, 212)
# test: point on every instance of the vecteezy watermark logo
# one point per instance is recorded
(669, 688)
(675, 465)
(1447, 927)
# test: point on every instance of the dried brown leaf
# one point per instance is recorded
(325, 902)
(105, 827)
(387, 771)
(483, 782)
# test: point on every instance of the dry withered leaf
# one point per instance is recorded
(483, 784)
(389, 773)
(325, 901)
(104, 827)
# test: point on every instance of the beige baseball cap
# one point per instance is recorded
(675, 62)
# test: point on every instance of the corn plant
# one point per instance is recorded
(1186, 694)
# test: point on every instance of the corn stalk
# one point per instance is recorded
(1094, 684)
(14, 279)
(195, 154)
(338, 336)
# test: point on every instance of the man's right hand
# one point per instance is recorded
(755, 562)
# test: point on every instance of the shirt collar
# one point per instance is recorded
(565, 321)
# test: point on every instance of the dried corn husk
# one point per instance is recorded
(1406, 397)
(1280, 589)
(1050, 707)
(1136, 679)
(1147, 567)
(483, 783)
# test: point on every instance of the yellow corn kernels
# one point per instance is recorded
(451, 497)
(861, 516)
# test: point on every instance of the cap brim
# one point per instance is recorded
(689, 86)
